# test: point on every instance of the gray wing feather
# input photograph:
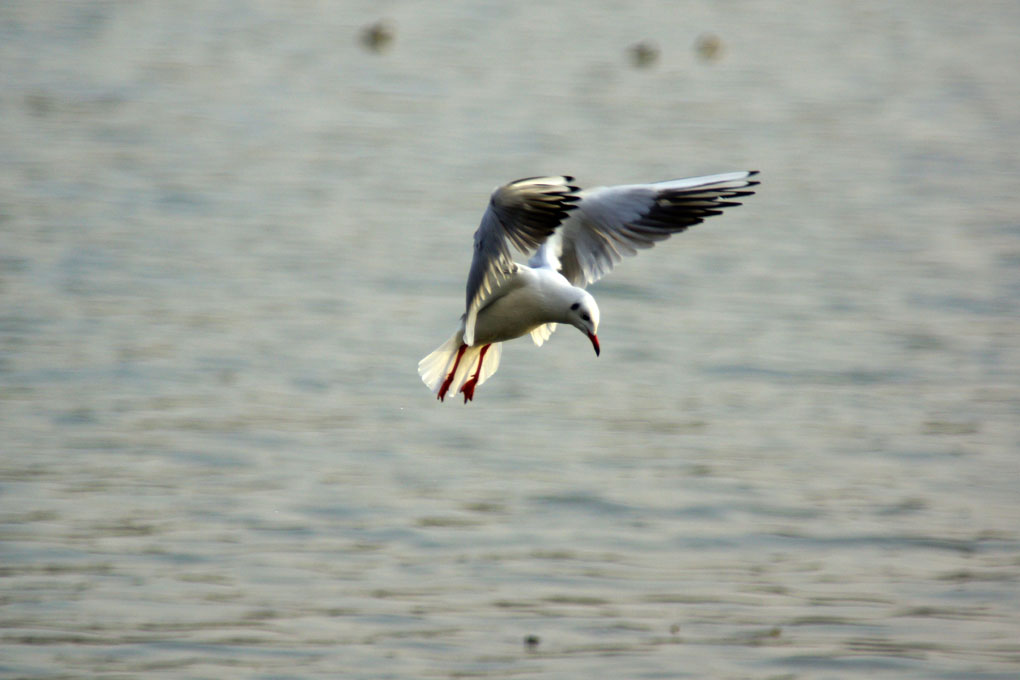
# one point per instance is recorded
(521, 215)
(615, 222)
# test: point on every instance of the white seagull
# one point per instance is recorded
(577, 237)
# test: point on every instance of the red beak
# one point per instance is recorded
(594, 342)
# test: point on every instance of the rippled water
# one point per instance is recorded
(228, 232)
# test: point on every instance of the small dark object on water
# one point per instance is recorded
(643, 54)
(708, 46)
(378, 36)
(531, 641)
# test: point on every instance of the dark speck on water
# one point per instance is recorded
(643, 54)
(377, 36)
(708, 47)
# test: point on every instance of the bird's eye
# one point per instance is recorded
(575, 306)
(586, 317)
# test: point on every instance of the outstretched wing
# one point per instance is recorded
(521, 214)
(613, 222)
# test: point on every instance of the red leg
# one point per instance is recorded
(449, 378)
(469, 387)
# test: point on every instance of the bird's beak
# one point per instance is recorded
(594, 342)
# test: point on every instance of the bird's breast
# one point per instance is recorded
(515, 314)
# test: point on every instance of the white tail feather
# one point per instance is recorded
(436, 367)
(738, 179)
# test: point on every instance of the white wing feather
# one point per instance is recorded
(611, 223)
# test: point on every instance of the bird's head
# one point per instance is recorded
(583, 315)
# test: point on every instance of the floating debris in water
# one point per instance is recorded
(378, 36)
(643, 54)
(708, 46)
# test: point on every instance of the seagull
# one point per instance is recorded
(574, 237)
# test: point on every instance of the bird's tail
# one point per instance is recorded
(455, 367)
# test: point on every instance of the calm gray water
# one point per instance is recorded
(229, 230)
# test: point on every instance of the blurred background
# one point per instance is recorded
(229, 230)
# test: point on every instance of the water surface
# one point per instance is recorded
(228, 232)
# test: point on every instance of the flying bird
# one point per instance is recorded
(574, 237)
